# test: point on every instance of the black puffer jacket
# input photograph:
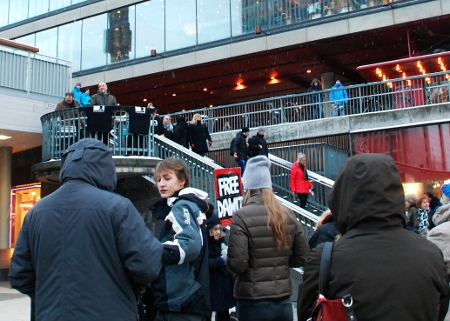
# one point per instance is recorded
(82, 248)
(254, 144)
(240, 145)
(391, 273)
(181, 133)
(263, 270)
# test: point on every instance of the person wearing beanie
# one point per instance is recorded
(220, 279)
(77, 92)
(257, 144)
(265, 241)
(239, 148)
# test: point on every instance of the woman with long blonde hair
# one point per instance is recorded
(265, 241)
(198, 135)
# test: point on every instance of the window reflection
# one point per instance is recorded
(213, 20)
(181, 30)
(149, 28)
(93, 42)
(4, 9)
(46, 42)
(18, 10)
(58, 4)
(38, 7)
(119, 34)
(236, 17)
(69, 44)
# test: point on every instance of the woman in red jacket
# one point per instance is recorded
(300, 184)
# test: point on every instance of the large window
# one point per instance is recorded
(181, 24)
(93, 52)
(149, 28)
(38, 7)
(69, 44)
(18, 10)
(213, 20)
(46, 42)
(4, 11)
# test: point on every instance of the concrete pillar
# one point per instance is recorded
(5, 191)
(328, 81)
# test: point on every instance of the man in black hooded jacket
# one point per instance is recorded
(82, 248)
(391, 273)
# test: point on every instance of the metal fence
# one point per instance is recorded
(34, 73)
(323, 159)
(62, 128)
(362, 98)
(201, 170)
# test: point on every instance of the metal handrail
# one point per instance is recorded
(391, 94)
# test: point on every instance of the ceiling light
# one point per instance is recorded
(3, 137)
(308, 71)
(173, 95)
(205, 89)
(238, 84)
(145, 99)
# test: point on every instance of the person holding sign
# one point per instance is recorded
(261, 256)
(181, 291)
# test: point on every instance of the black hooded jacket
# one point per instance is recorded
(391, 273)
(82, 249)
(181, 133)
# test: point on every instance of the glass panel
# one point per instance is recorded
(237, 27)
(213, 20)
(18, 10)
(46, 42)
(181, 29)
(93, 42)
(4, 10)
(38, 7)
(149, 28)
(69, 44)
(58, 4)
(27, 40)
(254, 13)
(121, 29)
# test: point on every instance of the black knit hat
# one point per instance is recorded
(245, 129)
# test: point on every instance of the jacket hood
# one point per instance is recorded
(314, 80)
(338, 85)
(368, 193)
(89, 160)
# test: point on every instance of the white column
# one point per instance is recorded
(5, 191)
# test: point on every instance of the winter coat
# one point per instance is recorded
(339, 96)
(220, 279)
(77, 94)
(298, 184)
(62, 105)
(262, 269)
(316, 96)
(326, 232)
(240, 146)
(440, 235)
(183, 283)
(253, 146)
(198, 134)
(181, 133)
(391, 273)
(85, 99)
(82, 248)
(103, 99)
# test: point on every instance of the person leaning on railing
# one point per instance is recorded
(103, 97)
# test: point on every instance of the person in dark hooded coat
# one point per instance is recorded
(82, 248)
(391, 273)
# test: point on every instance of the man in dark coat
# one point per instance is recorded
(82, 249)
(391, 273)
(257, 144)
(240, 148)
(67, 102)
(181, 132)
(103, 97)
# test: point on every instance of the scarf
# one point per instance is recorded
(305, 172)
(168, 127)
(423, 218)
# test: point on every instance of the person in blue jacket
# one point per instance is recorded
(181, 291)
(85, 98)
(77, 92)
(338, 99)
(83, 250)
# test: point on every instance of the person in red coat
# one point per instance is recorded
(300, 184)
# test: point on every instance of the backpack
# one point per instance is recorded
(231, 146)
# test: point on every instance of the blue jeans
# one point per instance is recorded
(339, 111)
(241, 162)
(265, 310)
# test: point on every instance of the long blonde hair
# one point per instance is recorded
(195, 118)
(277, 213)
